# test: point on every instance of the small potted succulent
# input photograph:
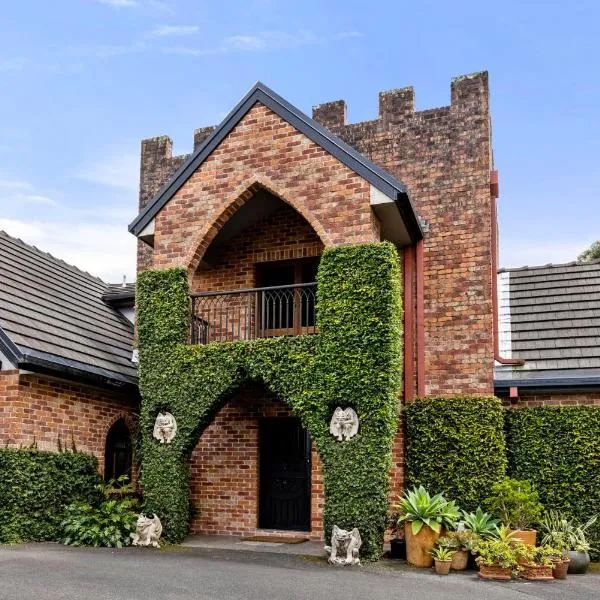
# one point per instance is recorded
(538, 562)
(555, 532)
(517, 505)
(580, 548)
(481, 523)
(425, 518)
(461, 541)
(498, 559)
(442, 558)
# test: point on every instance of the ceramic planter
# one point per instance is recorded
(398, 548)
(526, 536)
(495, 572)
(580, 561)
(442, 567)
(419, 547)
(537, 573)
(560, 569)
(459, 560)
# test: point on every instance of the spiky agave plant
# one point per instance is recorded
(420, 508)
(480, 522)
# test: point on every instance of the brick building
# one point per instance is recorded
(248, 215)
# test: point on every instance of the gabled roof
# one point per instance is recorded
(53, 318)
(551, 319)
(355, 161)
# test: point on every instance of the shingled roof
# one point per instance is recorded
(550, 317)
(53, 317)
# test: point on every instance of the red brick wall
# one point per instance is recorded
(554, 399)
(37, 408)
(224, 467)
(444, 157)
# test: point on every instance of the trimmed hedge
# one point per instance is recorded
(456, 446)
(36, 487)
(558, 450)
(355, 360)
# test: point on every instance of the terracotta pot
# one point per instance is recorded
(418, 547)
(561, 568)
(459, 560)
(442, 567)
(537, 573)
(526, 536)
(580, 561)
(495, 572)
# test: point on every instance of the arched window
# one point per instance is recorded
(118, 454)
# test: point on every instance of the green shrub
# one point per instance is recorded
(455, 446)
(515, 502)
(355, 360)
(36, 487)
(558, 450)
(107, 523)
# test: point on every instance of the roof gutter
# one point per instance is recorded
(579, 384)
(494, 192)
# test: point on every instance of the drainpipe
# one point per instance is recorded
(409, 324)
(420, 319)
(494, 193)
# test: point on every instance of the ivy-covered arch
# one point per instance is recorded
(355, 360)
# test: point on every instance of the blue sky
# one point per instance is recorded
(83, 81)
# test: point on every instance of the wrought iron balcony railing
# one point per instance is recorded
(254, 313)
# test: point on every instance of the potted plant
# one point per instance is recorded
(461, 541)
(424, 517)
(538, 564)
(580, 548)
(517, 505)
(397, 543)
(498, 559)
(443, 559)
(555, 530)
(481, 523)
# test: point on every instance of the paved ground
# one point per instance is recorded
(53, 572)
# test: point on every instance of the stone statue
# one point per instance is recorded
(344, 424)
(345, 543)
(165, 428)
(148, 531)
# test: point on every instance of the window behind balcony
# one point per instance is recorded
(288, 310)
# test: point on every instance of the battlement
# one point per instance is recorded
(468, 94)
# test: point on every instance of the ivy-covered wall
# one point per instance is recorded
(36, 487)
(456, 446)
(355, 360)
(558, 450)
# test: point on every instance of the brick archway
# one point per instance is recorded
(208, 233)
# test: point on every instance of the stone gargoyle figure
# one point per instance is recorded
(346, 544)
(148, 531)
(344, 424)
(165, 428)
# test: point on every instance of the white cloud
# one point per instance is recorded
(107, 251)
(245, 42)
(120, 3)
(11, 184)
(116, 170)
(519, 253)
(34, 199)
(172, 31)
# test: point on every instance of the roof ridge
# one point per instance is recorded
(52, 257)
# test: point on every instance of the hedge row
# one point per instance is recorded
(354, 361)
(456, 446)
(36, 487)
(558, 450)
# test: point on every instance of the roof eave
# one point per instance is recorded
(549, 384)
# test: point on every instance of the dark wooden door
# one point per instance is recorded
(284, 501)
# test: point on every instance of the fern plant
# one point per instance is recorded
(109, 523)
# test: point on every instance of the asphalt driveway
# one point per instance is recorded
(53, 572)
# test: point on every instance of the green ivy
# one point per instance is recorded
(558, 450)
(456, 446)
(355, 360)
(36, 488)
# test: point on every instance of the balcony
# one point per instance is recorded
(254, 313)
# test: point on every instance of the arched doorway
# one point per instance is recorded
(118, 455)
